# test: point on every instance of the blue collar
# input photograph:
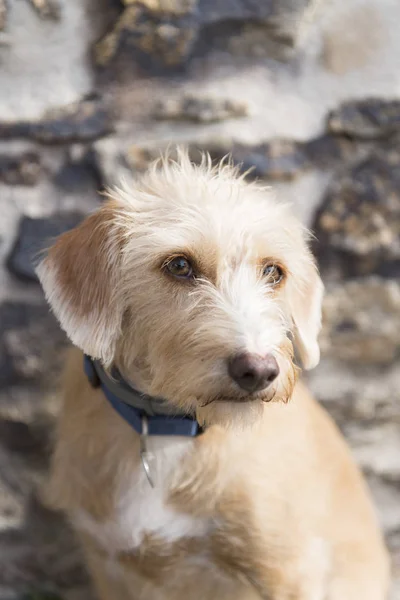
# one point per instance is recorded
(135, 407)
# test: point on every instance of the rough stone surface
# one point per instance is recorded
(37, 554)
(286, 159)
(3, 14)
(44, 62)
(167, 33)
(359, 222)
(202, 110)
(277, 160)
(31, 344)
(362, 321)
(377, 450)
(355, 393)
(78, 175)
(47, 9)
(80, 122)
(156, 41)
(34, 236)
(369, 119)
(22, 169)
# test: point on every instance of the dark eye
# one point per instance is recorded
(273, 274)
(179, 267)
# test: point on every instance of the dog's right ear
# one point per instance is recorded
(80, 276)
(305, 300)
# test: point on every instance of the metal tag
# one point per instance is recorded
(144, 455)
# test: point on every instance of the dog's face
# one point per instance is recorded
(194, 283)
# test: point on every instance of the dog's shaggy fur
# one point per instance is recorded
(267, 502)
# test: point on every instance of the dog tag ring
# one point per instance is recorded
(143, 450)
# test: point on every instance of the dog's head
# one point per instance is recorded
(195, 284)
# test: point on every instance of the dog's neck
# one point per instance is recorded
(145, 414)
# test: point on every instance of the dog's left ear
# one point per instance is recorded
(80, 277)
(305, 300)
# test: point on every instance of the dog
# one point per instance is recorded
(189, 459)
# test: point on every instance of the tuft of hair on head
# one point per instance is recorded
(176, 163)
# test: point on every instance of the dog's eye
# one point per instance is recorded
(179, 266)
(273, 274)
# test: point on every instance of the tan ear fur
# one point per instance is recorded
(305, 300)
(79, 276)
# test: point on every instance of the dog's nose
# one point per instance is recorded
(253, 372)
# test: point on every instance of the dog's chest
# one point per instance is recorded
(141, 511)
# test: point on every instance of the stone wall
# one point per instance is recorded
(307, 92)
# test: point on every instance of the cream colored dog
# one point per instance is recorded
(193, 284)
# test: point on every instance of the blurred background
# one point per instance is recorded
(307, 92)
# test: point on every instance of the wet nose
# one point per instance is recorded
(253, 372)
